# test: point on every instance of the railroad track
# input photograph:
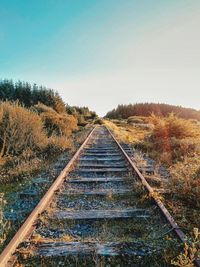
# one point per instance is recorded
(95, 214)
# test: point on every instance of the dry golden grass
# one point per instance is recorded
(185, 180)
(27, 136)
(20, 129)
(190, 251)
(171, 139)
(127, 133)
(137, 119)
(175, 143)
(56, 124)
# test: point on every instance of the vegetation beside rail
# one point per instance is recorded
(35, 124)
(172, 142)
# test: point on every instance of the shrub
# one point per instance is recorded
(56, 124)
(58, 144)
(173, 137)
(81, 120)
(20, 129)
(185, 180)
(24, 143)
(134, 119)
(82, 114)
(172, 126)
(191, 251)
(99, 121)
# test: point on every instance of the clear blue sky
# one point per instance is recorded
(100, 53)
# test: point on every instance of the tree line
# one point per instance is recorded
(146, 109)
(29, 95)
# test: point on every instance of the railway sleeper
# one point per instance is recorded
(101, 151)
(97, 180)
(110, 249)
(108, 154)
(101, 159)
(104, 165)
(95, 192)
(100, 214)
(102, 170)
(98, 186)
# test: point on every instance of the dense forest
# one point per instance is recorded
(146, 109)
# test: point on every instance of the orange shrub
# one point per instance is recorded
(20, 129)
(185, 180)
(173, 137)
(56, 124)
(172, 126)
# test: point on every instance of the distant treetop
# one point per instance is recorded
(146, 109)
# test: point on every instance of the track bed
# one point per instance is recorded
(100, 215)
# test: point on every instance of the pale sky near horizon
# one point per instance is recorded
(101, 53)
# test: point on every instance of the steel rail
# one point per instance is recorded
(158, 202)
(28, 226)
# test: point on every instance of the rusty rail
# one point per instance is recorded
(158, 202)
(28, 226)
